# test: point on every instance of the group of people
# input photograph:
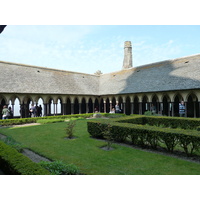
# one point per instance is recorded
(7, 113)
(35, 111)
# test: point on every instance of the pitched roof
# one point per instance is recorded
(178, 74)
(19, 78)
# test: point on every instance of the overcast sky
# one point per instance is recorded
(88, 48)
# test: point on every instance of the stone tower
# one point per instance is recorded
(127, 55)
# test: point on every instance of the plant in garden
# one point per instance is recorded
(11, 142)
(59, 168)
(70, 129)
(107, 134)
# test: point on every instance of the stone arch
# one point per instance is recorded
(155, 102)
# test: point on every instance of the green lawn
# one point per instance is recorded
(85, 152)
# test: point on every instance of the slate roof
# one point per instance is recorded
(19, 78)
(178, 74)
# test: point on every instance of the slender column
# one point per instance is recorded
(104, 102)
(132, 107)
(185, 109)
(195, 112)
(45, 109)
(172, 109)
(169, 109)
(110, 105)
(124, 108)
(140, 108)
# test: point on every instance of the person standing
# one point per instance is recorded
(182, 109)
(5, 112)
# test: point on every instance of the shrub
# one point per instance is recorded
(59, 168)
(14, 163)
(151, 136)
(70, 128)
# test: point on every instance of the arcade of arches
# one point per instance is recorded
(166, 104)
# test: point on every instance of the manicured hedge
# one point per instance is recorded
(169, 122)
(145, 135)
(14, 163)
(8, 122)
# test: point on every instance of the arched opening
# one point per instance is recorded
(113, 102)
(68, 107)
(144, 104)
(96, 105)
(128, 106)
(121, 104)
(177, 100)
(40, 108)
(16, 112)
(192, 106)
(83, 106)
(51, 109)
(165, 108)
(107, 105)
(76, 106)
(3, 103)
(136, 105)
(90, 106)
(59, 107)
(101, 106)
(155, 105)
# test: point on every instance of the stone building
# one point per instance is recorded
(163, 84)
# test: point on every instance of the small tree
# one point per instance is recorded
(107, 134)
(70, 129)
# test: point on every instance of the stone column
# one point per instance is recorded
(195, 112)
(140, 108)
(132, 106)
(172, 109)
(104, 102)
(64, 108)
(110, 105)
(45, 109)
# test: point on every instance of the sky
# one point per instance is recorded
(88, 48)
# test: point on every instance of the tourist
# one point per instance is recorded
(153, 109)
(10, 113)
(112, 111)
(182, 109)
(5, 112)
(32, 111)
(117, 108)
(39, 111)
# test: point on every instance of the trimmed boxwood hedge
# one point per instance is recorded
(152, 136)
(14, 163)
(8, 122)
(169, 122)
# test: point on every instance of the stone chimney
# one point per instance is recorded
(127, 55)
